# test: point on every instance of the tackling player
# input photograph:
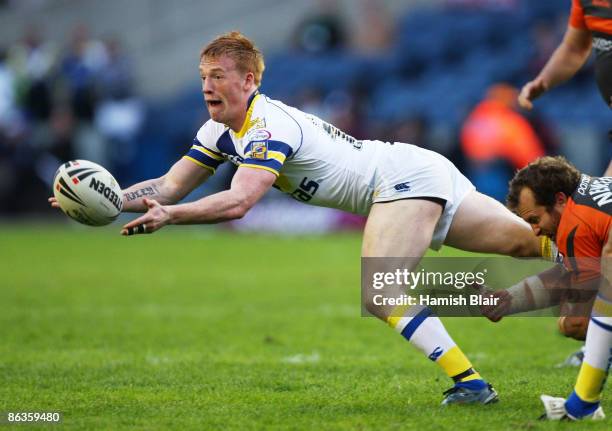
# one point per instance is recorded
(414, 198)
(575, 210)
(589, 27)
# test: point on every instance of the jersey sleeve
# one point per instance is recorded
(585, 243)
(204, 151)
(576, 18)
(269, 150)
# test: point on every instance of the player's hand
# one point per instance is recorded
(531, 91)
(155, 218)
(53, 202)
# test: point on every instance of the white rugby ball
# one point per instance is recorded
(87, 193)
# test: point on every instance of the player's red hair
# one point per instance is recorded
(239, 48)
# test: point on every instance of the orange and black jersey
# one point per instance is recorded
(584, 227)
(596, 16)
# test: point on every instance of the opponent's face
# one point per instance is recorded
(543, 221)
(226, 90)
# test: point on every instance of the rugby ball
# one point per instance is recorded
(87, 193)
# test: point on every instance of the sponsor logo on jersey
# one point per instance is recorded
(584, 184)
(402, 187)
(236, 160)
(601, 44)
(259, 135)
(601, 191)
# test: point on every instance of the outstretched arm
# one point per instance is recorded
(182, 178)
(248, 186)
(567, 59)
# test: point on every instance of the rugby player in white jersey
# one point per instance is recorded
(414, 198)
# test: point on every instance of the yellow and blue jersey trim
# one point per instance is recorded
(203, 156)
(276, 154)
(248, 123)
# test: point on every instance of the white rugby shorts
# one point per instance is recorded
(405, 171)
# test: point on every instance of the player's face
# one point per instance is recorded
(226, 90)
(543, 221)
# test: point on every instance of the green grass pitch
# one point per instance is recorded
(195, 329)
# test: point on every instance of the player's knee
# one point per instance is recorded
(573, 326)
(523, 246)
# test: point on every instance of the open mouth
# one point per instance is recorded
(213, 103)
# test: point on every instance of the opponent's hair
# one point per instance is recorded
(239, 48)
(545, 177)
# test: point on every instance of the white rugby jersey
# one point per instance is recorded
(314, 161)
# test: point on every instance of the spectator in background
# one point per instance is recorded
(375, 29)
(33, 146)
(414, 130)
(119, 114)
(115, 73)
(8, 101)
(590, 26)
(344, 108)
(322, 31)
(7, 113)
(311, 100)
(33, 62)
(81, 68)
(497, 140)
(544, 35)
(81, 65)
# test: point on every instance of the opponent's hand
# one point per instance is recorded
(153, 220)
(502, 300)
(531, 91)
(53, 202)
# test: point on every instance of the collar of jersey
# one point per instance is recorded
(247, 121)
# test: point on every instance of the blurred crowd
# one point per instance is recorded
(59, 103)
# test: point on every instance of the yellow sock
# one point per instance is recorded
(433, 341)
(457, 366)
(548, 249)
(590, 383)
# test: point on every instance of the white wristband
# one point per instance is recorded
(529, 294)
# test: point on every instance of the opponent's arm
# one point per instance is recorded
(608, 172)
(533, 293)
(606, 268)
(182, 178)
(567, 59)
(248, 186)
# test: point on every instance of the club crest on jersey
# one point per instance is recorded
(259, 150)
